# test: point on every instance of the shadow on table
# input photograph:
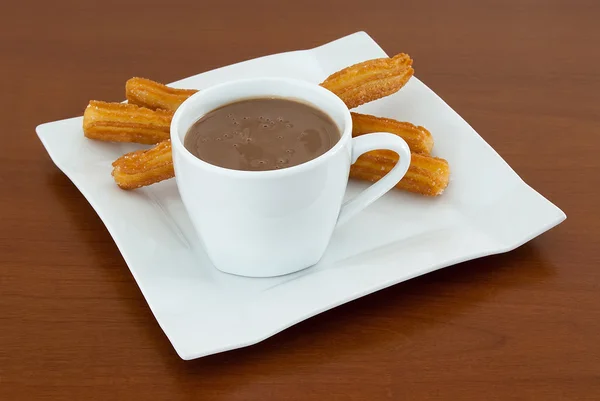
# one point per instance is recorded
(425, 303)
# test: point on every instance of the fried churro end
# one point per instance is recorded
(144, 167)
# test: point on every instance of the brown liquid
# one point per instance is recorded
(262, 134)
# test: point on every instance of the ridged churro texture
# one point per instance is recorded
(419, 140)
(119, 122)
(144, 167)
(370, 80)
(426, 175)
(153, 95)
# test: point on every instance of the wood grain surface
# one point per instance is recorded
(522, 326)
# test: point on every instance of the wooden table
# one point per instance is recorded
(523, 325)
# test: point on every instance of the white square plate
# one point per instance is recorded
(485, 210)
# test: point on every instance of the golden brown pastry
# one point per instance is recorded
(426, 175)
(148, 117)
(153, 95)
(119, 122)
(370, 80)
(419, 140)
(144, 167)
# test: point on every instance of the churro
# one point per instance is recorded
(153, 95)
(147, 118)
(119, 122)
(419, 140)
(370, 80)
(426, 175)
(144, 167)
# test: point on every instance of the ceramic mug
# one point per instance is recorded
(270, 223)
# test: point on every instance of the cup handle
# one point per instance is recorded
(366, 143)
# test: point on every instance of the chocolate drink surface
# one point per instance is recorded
(262, 134)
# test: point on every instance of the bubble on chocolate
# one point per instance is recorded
(258, 162)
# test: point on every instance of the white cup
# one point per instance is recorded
(270, 223)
